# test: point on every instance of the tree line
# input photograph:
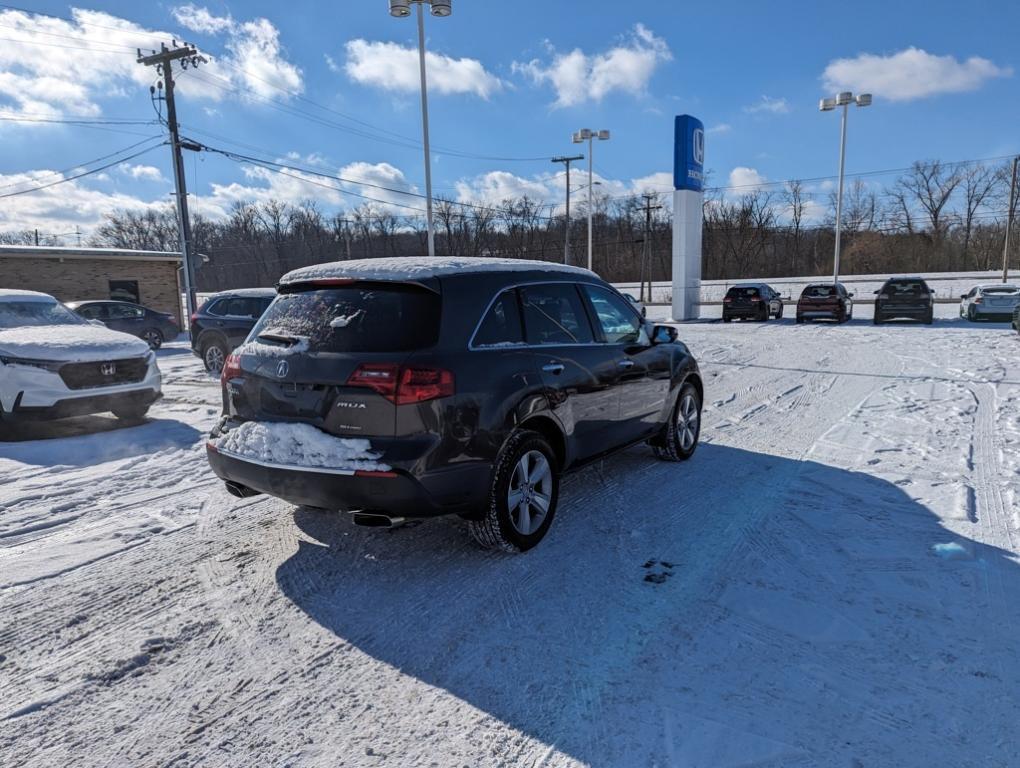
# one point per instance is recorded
(935, 217)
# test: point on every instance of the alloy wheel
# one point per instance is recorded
(687, 418)
(214, 358)
(530, 494)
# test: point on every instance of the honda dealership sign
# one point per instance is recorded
(688, 197)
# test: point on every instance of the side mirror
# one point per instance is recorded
(850, 295)
(964, 295)
(664, 334)
(877, 292)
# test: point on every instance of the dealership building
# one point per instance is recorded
(80, 274)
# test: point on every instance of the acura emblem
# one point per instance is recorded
(282, 369)
(108, 369)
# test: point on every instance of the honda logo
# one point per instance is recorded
(698, 146)
(282, 369)
(108, 369)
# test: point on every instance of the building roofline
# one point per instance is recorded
(61, 252)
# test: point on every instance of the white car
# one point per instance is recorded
(990, 302)
(54, 363)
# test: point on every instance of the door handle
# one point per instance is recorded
(554, 368)
(626, 363)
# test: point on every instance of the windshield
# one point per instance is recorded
(369, 317)
(19, 314)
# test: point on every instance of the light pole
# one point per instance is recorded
(827, 105)
(566, 236)
(587, 134)
(401, 9)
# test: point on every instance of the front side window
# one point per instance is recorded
(619, 323)
(125, 312)
(501, 325)
(22, 314)
(553, 314)
(243, 306)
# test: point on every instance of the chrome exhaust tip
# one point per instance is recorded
(376, 520)
(240, 491)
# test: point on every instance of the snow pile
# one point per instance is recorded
(420, 268)
(70, 343)
(299, 445)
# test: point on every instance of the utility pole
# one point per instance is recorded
(346, 235)
(163, 61)
(37, 237)
(646, 248)
(1009, 220)
(566, 238)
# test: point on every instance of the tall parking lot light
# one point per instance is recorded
(441, 8)
(827, 105)
(587, 134)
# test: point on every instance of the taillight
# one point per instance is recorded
(978, 300)
(194, 317)
(883, 296)
(231, 368)
(755, 299)
(403, 386)
(727, 300)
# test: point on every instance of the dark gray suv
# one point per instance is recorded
(411, 388)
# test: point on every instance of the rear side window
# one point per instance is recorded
(553, 314)
(242, 306)
(216, 307)
(365, 317)
(620, 324)
(501, 325)
(91, 312)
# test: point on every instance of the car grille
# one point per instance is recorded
(104, 373)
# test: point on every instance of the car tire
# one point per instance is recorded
(971, 314)
(214, 354)
(878, 320)
(675, 443)
(799, 320)
(153, 338)
(518, 474)
(134, 413)
(765, 313)
(930, 318)
(727, 319)
(779, 313)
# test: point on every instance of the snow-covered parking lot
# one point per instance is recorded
(832, 580)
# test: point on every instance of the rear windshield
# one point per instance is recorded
(742, 293)
(367, 317)
(819, 291)
(906, 288)
(1007, 290)
(19, 314)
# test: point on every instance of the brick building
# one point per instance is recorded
(80, 274)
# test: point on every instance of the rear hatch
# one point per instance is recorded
(338, 356)
(1005, 297)
(819, 297)
(905, 296)
(742, 299)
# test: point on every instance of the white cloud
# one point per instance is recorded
(768, 104)
(720, 128)
(33, 65)
(394, 67)
(910, 74)
(201, 20)
(578, 77)
(143, 172)
(496, 186)
(744, 179)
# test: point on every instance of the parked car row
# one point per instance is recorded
(151, 326)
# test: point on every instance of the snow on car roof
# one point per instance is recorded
(13, 294)
(255, 292)
(421, 268)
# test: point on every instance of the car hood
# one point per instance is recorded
(69, 343)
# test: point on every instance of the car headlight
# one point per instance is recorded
(46, 365)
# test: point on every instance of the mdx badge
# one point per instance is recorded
(282, 369)
(344, 404)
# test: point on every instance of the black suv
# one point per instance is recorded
(905, 297)
(411, 388)
(752, 301)
(224, 321)
(147, 324)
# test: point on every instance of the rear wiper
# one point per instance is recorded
(281, 338)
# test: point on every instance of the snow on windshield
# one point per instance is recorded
(19, 314)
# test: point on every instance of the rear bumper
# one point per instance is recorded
(820, 313)
(398, 492)
(985, 311)
(908, 313)
(753, 311)
(83, 406)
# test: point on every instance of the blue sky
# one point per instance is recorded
(510, 80)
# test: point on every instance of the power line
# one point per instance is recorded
(83, 174)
